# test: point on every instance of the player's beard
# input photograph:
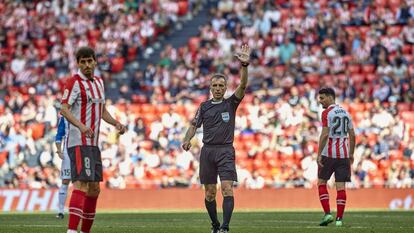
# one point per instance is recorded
(88, 73)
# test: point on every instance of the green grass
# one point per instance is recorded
(242, 222)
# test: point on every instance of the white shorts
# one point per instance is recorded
(65, 169)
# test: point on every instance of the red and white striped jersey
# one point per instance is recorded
(339, 122)
(87, 99)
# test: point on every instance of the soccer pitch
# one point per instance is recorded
(188, 222)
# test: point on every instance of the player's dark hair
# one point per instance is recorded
(85, 52)
(218, 75)
(327, 91)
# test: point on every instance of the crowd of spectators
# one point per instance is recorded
(362, 48)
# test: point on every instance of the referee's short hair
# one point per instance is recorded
(219, 75)
(327, 91)
(85, 51)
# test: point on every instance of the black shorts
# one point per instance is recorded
(341, 167)
(85, 163)
(217, 160)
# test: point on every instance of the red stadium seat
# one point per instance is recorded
(354, 68)
(351, 30)
(402, 107)
(409, 58)
(299, 13)
(135, 108)
(94, 34)
(11, 42)
(356, 107)
(132, 53)
(40, 43)
(380, 3)
(182, 8)
(371, 77)
(147, 109)
(139, 99)
(364, 30)
(193, 44)
(407, 115)
(258, 164)
(342, 78)
(395, 30)
(368, 68)
(43, 53)
(162, 108)
(328, 80)
(38, 130)
(394, 4)
(323, 3)
(280, 68)
(406, 49)
(312, 79)
(284, 14)
(117, 64)
(296, 3)
(396, 155)
(3, 157)
(146, 144)
(347, 59)
(358, 78)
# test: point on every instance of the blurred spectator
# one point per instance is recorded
(256, 181)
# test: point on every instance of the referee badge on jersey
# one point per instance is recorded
(225, 116)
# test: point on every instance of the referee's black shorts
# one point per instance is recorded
(217, 160)
(85, 163)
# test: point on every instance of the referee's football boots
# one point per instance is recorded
(215, 228)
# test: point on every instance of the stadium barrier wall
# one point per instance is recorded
(110, 199)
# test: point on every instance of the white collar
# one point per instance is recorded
(216, 102)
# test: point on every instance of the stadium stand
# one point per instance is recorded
(364, 49)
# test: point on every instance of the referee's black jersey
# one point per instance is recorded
(218, 120)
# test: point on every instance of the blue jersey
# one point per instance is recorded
(62, 131)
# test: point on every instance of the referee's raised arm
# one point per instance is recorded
(244, 57)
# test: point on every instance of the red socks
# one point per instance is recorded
(89, 210)
(324, 198)
(340, 200)
(76, 209)
(340, 203)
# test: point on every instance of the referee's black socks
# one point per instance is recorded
(212, 211)
(228, 206)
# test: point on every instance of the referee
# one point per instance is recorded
(217, 116)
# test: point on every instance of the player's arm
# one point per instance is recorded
(65, 111)
(351, 134)
(324, 136)
(59, 136)
(322, 142)
(70, 96)
(106, 116)
(244, 58)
